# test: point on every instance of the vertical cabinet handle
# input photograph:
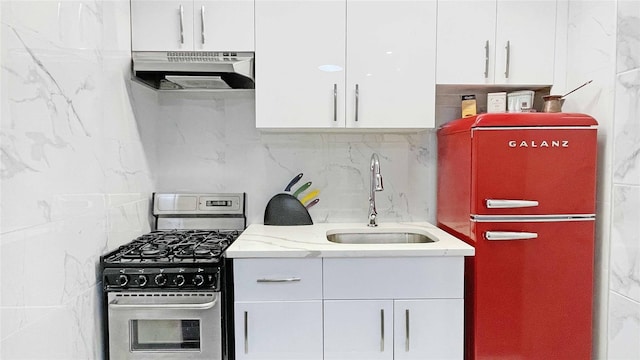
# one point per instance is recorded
(486, 59)
(508, 48)
(381, 330)
(335, 102)
(407, 329)
(202, 19)
(357, 99)
(246, 332)
(181, 24)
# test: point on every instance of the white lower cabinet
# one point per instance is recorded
(428, 329)
(358, 329)
(343, 308)
(393, 329)
(278, 309)
(273, 330)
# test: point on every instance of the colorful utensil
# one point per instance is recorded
(309, 196)
(313, 202)
(293, 182)
(302, 188)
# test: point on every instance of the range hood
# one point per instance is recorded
(194, 70)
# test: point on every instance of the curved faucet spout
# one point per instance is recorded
(376, 185)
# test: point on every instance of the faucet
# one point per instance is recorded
(376, 185)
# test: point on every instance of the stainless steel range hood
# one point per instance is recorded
(194, 70)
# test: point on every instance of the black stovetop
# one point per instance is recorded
(164, 247)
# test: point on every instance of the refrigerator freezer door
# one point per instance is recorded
(512, 169)
(532, 298)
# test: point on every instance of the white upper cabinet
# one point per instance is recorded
(390, 64)
(174, 25)
(345, 64)
(300, 60)
(466, 35)
(525, 42)
(496, 42)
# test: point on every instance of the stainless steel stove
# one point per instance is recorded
(167, 293)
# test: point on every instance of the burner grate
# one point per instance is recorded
(179, 246)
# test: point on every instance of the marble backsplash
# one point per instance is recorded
(208, 143)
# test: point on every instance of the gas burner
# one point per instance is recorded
(201, 251)
(153, 253)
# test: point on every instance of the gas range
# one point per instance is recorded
(186, 252)
(168, 259)
(167, 293)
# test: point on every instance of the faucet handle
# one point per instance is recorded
(379, 185)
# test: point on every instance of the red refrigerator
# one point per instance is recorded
(520, 188)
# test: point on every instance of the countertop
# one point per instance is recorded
(264, 241)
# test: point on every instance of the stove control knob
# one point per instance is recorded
(123, 280)
(160, 279)
(198, 280)
(180, 280)
(142, 280)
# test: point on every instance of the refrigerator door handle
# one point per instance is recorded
(509, 235)
(509, 204)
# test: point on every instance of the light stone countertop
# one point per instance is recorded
(309, 241)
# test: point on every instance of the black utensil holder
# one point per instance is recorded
(286, 210)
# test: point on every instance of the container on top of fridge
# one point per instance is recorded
(520, 163)
(520, 101)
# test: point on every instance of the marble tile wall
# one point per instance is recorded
(591, 44)
(74, 175)
(209, 143)
(624, 301)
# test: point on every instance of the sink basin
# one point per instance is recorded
(383, 236)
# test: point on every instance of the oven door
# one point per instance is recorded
(165, 326)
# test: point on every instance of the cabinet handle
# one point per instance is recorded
(406, 327)
(508, 48)
(181, 24)
(335, 102)
(246, 332)
(293, 279)
(509, 235)
(202, 19)
(357, 100)
(486, 59)
(381, 330)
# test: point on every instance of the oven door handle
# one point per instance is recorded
(198, 306)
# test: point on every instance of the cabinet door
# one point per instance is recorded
(429, 329)
(525, 42)
(223, 25)
(391, 49)
(466, 41)
(300, 61)
(161, 25)
(278, 330)
(358, 329)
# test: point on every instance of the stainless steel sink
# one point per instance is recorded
(378, 237)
